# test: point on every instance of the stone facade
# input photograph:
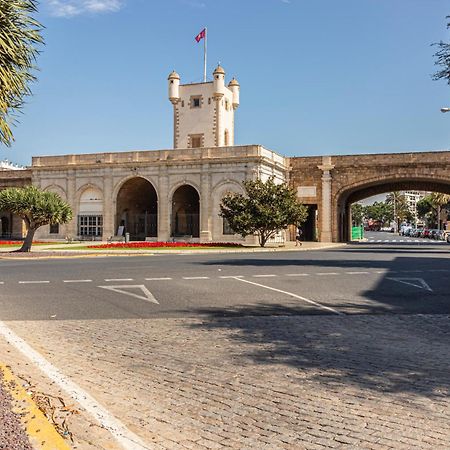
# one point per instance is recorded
(339, 181)
(92, 184)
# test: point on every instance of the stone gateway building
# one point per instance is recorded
(175, 194)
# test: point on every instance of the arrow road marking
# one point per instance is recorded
(146, 294)
(416, 282)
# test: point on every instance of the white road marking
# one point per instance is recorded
(34, 282)
(264, 276)
(77, 281)
(158, 279)
(327, 273)
(126, 438)
(118, 279)
(232, 276)
(297, 274)
(195, 278)
(2, 282)
(312, 302)
(146, 294)
(356, 273)
(416, 282)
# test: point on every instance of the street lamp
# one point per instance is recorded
(444, 110)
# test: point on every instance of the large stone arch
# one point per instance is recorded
(220, 189)
(185, 214)
(136, 208)
(57, 189)
(378, 185)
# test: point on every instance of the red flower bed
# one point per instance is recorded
(165, 245)
(19, 242)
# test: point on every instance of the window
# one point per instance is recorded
(90, 225)
(227, 105)
(54, 228)
(226, 227)
(196, 140)
(196, 101)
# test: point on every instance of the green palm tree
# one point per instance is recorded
(438, 200)
(36, 208)
(20, 33)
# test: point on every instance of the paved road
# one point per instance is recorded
(270, 350)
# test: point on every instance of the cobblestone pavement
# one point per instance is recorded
(255, 382)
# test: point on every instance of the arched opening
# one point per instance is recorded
(186, 212)
(137, 209)
(6, 225)
(347, 198)
(90, 214)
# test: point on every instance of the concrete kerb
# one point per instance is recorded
(41, 433)
(83, 253)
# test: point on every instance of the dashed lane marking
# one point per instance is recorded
(231, 276)
(297, 274)
(125, 437)
(77, 281)
(195, 278)
(118, 279)
(264, 276)
(356, 273)
(290, 294)
(34, 282)
(327, 273)
(158, 279)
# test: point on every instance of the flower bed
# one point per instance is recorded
(9, 243)
(165, 245)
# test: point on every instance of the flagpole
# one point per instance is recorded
(204, 55)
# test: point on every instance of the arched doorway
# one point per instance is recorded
(5, 223)
(137, 209)
(355, 194)
(185, 212)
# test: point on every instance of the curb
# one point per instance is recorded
(41, 434)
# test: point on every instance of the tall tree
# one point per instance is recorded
(443, 59)
(265, 209)
(400, 206)
(36, 208)
(20, 34)
(431, 206)
(358, 214)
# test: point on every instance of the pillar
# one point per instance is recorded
(109, 206)
(326, 210)
(164, 205)
(205, 205)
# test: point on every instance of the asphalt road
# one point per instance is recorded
(367, 278)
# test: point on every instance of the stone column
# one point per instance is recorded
(71, 227)
(164, 204)
(205, 205)
(109, 206)
(326, 228)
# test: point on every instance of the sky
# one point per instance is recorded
(318, 77)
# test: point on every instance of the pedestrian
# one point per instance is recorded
(298, 236)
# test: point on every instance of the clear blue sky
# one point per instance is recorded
(317, 76)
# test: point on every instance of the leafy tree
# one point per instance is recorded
(358, 214)
(36, 208)
(265, 209)
(429, 208)
(443, 59)
(380, 212)
(400, 207)
(19, 35)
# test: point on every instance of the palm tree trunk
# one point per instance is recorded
(26, 246)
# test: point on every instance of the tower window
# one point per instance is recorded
(196, 140)
(196, 101)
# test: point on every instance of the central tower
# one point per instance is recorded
(203, 113)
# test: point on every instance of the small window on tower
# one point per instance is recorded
(196, 140)
(196, 101)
